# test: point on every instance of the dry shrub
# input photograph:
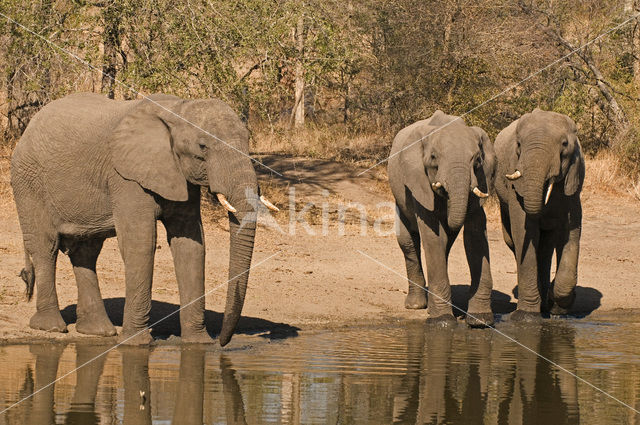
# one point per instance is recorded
(6, 195)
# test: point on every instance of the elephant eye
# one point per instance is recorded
(565, 143)
(202, 146)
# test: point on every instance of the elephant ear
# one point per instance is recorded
(511, 135)
(141, 150)
(415, 174)
(489, 161)
(575, 173)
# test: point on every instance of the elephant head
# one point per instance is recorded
(450, 161)
(165, 144)
(544, 153)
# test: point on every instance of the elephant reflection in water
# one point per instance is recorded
(469, 377)
(189, 398)
(189, 395)
(39, 409)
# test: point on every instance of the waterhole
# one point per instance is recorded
(584, 372)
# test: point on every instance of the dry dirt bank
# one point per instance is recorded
(323, 280)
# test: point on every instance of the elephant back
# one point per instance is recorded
(63, 154)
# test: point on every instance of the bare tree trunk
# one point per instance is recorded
(632, 7)
(297, 114)
(111, 42)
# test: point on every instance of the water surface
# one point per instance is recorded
(397, 374)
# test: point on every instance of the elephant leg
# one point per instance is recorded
(92, 316)
(506, 226)
(84, 397)
(44, 254)
(41, 244)
(545, 254)
(409, 242)
(135, 215)
(186, 239)
(525, 238)
(436, 243)
(567, 252)
(476, 247)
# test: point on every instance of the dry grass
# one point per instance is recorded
(634, 189)
(337, 143)
(604, 172)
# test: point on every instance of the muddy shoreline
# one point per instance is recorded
(255, 338)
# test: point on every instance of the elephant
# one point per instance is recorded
(88, 168)
(540, 174)
(441, 171)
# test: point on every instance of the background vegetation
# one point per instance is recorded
(334, 78)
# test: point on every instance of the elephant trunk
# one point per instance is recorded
(242, 230)
(458, 190)
(535, 177)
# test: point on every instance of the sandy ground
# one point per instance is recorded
(319, 277)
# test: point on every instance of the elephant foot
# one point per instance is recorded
(136, 338)
(50, 321)
(444, 320)
(557, 311)
(479, 320)
(416, 300)
(95, 324)
(200, 337)
(560, 306)
(525, 316)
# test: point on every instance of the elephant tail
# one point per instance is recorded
(28, 275)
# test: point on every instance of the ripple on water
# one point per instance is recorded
(391, 374)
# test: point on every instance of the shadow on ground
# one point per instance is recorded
(587, 300)
(171, 325)
(500, 302)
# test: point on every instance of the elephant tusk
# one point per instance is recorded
(268, 204)
(546, 198)
(514, 176)
(479, 193)
(436, 185)
(223, 200)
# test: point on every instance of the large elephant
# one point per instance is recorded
(539, 179)
(88, 168)
(440, 173)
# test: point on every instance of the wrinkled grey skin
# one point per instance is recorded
(88, 168)
(461, 158)
(544, 147)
